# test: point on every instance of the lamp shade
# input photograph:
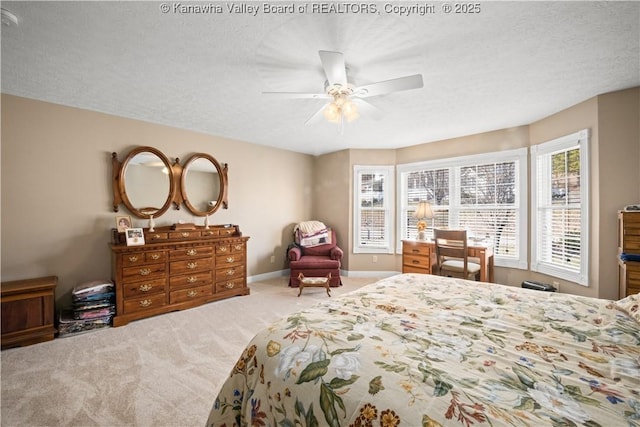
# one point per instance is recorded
(423, 211)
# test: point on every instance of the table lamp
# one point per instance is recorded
(422, 212)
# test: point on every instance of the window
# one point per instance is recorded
(560, 207)
(485, 194)
(372, 217)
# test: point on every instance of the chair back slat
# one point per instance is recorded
(451, 244)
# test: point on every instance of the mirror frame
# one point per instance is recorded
(119, 185)
(177, 184)
(222, 173)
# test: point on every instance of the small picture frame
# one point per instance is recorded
(135, 236)
(123, 222)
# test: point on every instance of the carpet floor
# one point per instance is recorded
(161, 371)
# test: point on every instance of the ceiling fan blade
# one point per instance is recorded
(367, 110)
(334, 67)
(393, 85)
(317, 117)
(296, 95)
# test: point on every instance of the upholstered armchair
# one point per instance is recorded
(315, 261)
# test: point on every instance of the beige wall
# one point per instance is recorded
(614, 122)
(57, 198)
(365, 262)
(56, 191)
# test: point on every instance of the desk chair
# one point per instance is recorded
(452, 259)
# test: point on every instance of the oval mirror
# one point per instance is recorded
(204, 184)
(146, 182)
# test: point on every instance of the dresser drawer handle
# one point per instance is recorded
(145, 271)
(192, 294)
(133, 258)
(145, 303)
(228, 232)
(192, 252)
(155, 237)
(192, 265)
(222, 249)
(146, 287)
(231, 272)
(229, 285)
(185, 234)
(207, 233)
(192, 279)
(155, 256)
(238, 247)
(415, 250)
(415, 261)
(230, 259)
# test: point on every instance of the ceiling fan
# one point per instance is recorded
(345, 100)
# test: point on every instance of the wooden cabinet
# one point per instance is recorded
(175, 270)
(416, 256)
(628, 244)
(28, 308)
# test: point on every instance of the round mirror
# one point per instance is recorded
(203, 184)
(146, 182)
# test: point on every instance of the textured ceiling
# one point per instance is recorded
(510, 64)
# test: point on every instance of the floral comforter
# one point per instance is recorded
(421, 350)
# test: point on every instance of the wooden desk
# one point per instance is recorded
(419, 256)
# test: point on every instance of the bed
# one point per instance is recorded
(422, 350)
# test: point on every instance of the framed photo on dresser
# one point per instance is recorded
(135, 236)
(123, 222)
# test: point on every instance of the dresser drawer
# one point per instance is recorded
(224, 232)
(144, 287)
(191, 266)
(210, 233)
(189, 294)
(228, 285)
(196, 279)
(191, 252)
(233, 258)
(146, 302)
(185, 234)
(153, 236)
(225, 274)
(143, 272)
(417, 261)
(415, 249)
(410, 269)
(228, 248)
(139, 258)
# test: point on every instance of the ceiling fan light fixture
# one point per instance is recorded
(350, 111)
(332, 112)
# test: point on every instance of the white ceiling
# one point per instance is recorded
(511, 64)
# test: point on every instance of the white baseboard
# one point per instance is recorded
(346, 273)
(267, 276)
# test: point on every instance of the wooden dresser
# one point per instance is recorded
(28, 311)
(628, 243)
(177, 269)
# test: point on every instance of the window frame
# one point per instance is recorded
(388, 195)
(564, 143)
(454, 164)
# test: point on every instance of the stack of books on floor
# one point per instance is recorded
(93, 308)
